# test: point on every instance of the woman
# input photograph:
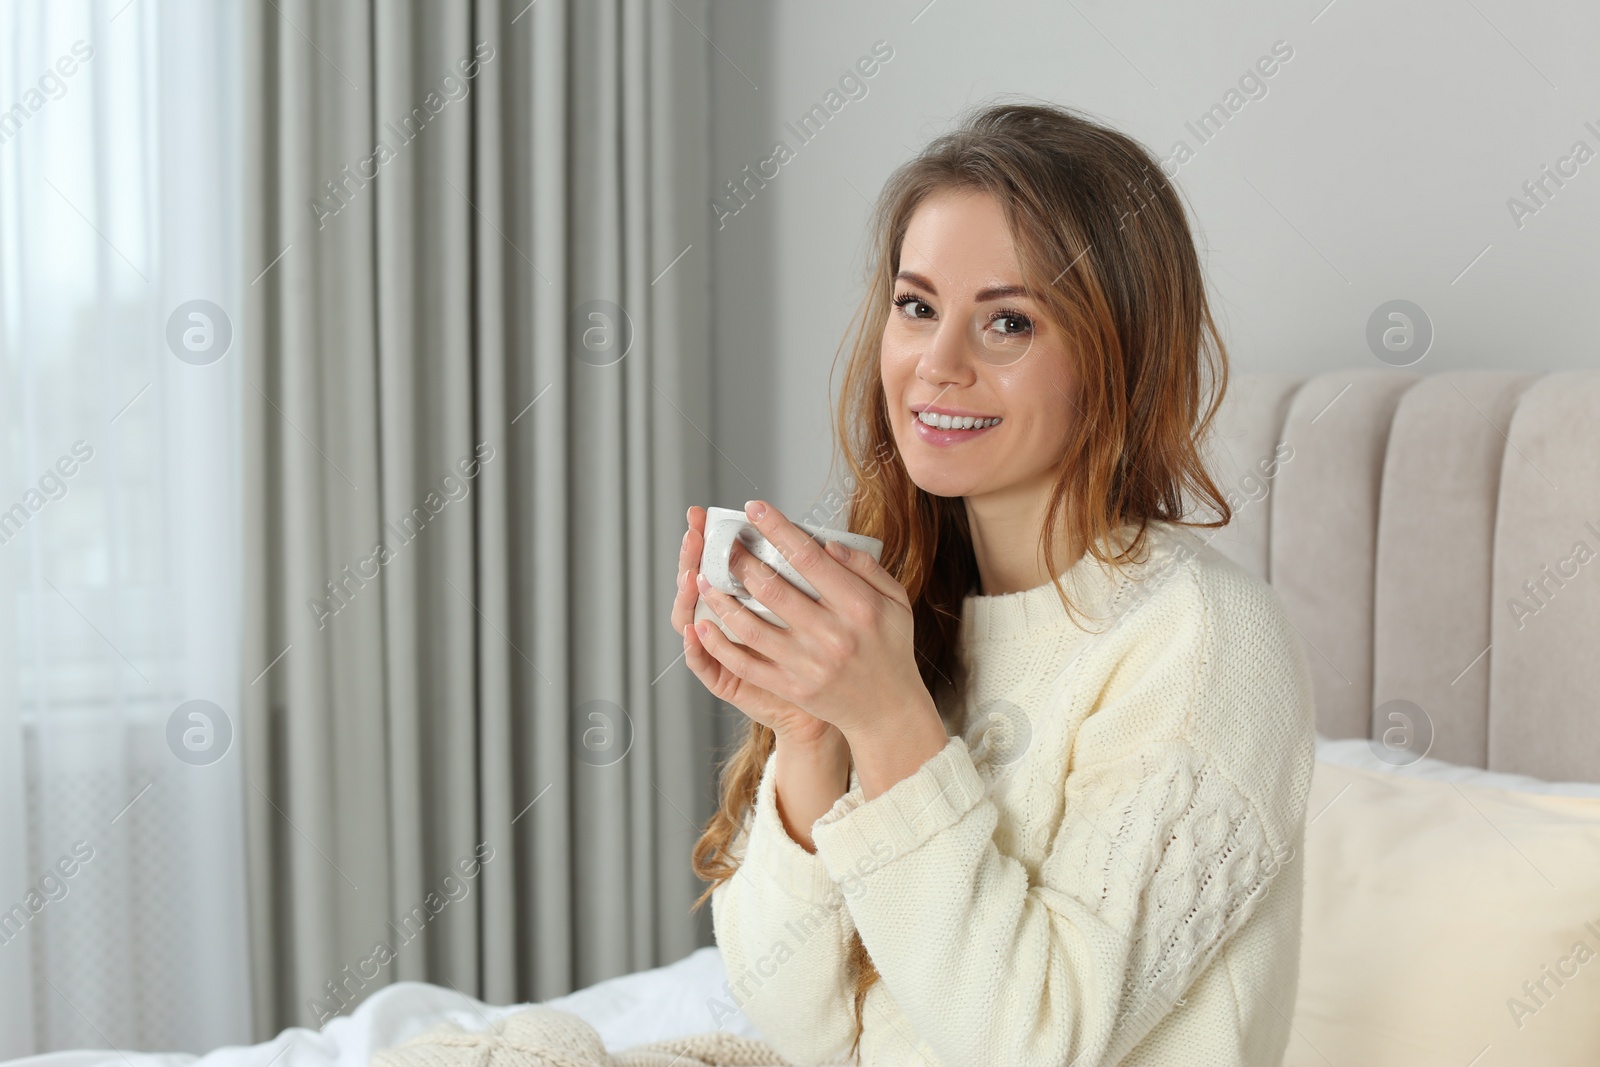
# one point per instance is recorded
(983, 816)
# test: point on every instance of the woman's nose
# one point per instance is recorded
(947, 357)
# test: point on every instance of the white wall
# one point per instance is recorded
(1378, 165)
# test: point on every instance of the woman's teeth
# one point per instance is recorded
(952, 422)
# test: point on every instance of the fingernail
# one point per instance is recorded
(838, 551)
(701, 629)
(703, 582)
(755, 510)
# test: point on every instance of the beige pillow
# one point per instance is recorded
(1447, 923)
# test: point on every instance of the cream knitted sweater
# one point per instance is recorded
(1101, 870)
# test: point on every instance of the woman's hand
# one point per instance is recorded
(847, 659)
(786, 719)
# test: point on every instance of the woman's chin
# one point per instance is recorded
(944, 482)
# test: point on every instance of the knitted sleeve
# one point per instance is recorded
(1155, 857)
(783, 934)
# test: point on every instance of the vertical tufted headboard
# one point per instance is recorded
(1435, 539)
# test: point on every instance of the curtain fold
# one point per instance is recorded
(477, 403)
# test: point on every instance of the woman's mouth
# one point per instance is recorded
(943, 430)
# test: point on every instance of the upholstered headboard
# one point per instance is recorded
(1435, 539)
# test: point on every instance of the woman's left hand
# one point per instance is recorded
(848, 658)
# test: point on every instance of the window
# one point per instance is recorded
(122, 900)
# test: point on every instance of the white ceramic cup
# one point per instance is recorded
(726, 525)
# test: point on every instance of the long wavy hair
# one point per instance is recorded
(1104, 246)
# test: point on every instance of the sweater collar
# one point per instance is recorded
(1090, 584)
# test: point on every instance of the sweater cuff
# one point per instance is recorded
(852, 835)
(772, 851)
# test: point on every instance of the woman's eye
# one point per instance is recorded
(909, 306)
(1013, 324)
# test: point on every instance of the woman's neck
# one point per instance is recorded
(1005, 531)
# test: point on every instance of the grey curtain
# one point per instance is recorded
(477, 406)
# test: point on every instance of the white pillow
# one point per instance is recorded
(1451, 916)
(1357, 752)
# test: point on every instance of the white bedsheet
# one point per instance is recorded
(628, 1010)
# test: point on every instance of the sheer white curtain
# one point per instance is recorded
(122, 910)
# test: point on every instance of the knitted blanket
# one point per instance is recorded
(549, 1037)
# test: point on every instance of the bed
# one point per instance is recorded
(628, 1010)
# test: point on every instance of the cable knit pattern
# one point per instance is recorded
(1100, 870)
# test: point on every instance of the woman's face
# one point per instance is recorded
(964, 338)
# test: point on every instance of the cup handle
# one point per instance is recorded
(717, 558)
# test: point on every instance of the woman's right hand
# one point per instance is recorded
(786, 719)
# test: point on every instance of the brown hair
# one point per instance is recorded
(1089, 209)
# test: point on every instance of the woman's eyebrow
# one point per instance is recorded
(996, 292)
(1000, 291)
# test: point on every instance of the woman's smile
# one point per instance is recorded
(943, 430)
